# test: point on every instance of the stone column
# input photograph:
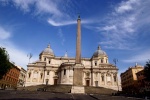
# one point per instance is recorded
(78, 68)
(39, 76)
(100, 78)
(92, 78)
(117, 81)
(44, 78)
(105, 78)
(67, 73)
(31, 76)
(61, 76)
(112, 79)
(78, 42)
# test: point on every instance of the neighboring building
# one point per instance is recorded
(52, 70)
(142, 84)
(129, 78)
(10, 79)
(22, 77)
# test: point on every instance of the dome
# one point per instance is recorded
(48, 50)
(99, 52)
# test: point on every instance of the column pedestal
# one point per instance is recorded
(78, 79)
(77, 89)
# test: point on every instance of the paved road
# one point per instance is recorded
(36, 95)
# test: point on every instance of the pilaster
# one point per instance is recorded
(105, 78)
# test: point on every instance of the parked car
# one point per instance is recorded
(41, 89)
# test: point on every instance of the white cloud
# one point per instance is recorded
(124, 23)
(4, 34)
(60, 23)
(108, 28)
(38, 6)
(125, 6)
(48, 7)
(23, 4)
(16, 55)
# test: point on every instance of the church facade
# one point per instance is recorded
(53, 70)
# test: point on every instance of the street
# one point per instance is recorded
(36, 95)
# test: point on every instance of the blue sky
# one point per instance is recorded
(120, 27)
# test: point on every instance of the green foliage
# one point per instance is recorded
(5, 65)
(147, 70)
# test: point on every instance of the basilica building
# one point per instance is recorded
(52, 70)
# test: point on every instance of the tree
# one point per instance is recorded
(5, 65)
(147, 70)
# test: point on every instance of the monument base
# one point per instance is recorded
(77, 89)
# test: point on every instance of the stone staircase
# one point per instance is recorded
(58, 88)
(99, 90)
(67, 89)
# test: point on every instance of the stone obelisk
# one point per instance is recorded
(78, 68)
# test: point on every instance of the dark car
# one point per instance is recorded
(41, 89)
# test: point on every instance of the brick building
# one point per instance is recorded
(129, 78)
(143, 85)
(10, 79)
(22, 77)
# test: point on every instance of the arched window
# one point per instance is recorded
(106, 61)
(44, 59)
(49, 62)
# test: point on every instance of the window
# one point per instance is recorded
(44, 59)
(106, 60)
(95, 63)
(102, 78)
(41, 75)
(101, 60)
(115, 79)
(29, 75)
(64, 71)
(47, 72)
(88, 74)
(49, 62)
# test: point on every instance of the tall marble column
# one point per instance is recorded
(78, 41)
